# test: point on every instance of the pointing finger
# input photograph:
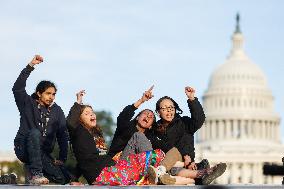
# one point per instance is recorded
(151, 88)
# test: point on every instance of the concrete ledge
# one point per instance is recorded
(249, 186)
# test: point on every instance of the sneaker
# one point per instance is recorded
(8, 179)
(159, 174)
(38, 180)
(152, 175)
(218, 170)
(204, 164)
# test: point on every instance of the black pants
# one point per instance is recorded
(36, 161)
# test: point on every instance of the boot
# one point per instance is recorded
(218, 170)
(204, 164)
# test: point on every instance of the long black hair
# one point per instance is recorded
(43, 86)
(178, 110)
(160, 127)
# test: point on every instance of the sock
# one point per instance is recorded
(201, 173)
(161, 170)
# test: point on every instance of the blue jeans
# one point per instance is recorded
(36, 161)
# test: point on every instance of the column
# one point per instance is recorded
(234, 173)
(203, 132)
(263, 130)
(221, 129)
(245, 173)
(213, 130)
(277, 131)
(228, 129)
(269, 130)
(250, 129)
(206, 128)
(256, 126)
(209, 132)
(255, 174)
(243, 131)
(266, 130)
(260, 173)
(235, 130)
(272, 131)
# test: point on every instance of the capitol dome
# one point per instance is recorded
(239, 86)
(241, 128)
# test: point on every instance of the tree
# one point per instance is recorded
(104, 119)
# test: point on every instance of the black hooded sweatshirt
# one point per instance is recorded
(180, 132)
(30, 117)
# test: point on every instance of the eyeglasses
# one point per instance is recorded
(170, 108)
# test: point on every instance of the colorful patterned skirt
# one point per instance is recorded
(132, 170)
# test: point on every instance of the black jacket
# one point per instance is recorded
(30, 118)
(124, 131)
(126, 127)
(90, 163)
(180, 132)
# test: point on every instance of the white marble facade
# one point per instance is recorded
(241, 127)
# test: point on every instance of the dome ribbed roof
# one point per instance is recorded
(238, 87)
(238, 70)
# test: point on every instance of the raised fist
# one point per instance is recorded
(80, 95)
(190, 93)
(37, 60)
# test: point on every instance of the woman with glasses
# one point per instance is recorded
(130, 136)
(172, 126)
(179, 131)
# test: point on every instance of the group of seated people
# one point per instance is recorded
(143, 151)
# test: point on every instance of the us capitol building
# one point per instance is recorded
(242, 128)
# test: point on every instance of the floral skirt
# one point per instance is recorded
(131, 171)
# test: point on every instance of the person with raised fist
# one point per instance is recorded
(42, 123)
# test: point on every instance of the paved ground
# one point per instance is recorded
(151, 187)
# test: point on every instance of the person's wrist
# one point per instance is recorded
(142, 100)
(31, 64)
(191, 98)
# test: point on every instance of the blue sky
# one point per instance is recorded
(117, 49)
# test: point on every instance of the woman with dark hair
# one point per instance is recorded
(126, 127)
(42, 123)
(171, 127)
(90, 150)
